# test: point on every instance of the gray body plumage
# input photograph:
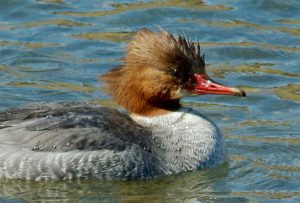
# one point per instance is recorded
(79, 140)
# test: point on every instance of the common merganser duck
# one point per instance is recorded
(157, 137)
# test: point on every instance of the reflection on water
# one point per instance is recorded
(194, 185)
(238, 23)
(53, 50)
(106, 36)
(116, 8)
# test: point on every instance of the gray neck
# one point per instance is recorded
(187, 139)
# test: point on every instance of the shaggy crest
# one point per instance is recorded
(163, 50)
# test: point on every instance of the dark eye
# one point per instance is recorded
(174, 72)
(180, 73)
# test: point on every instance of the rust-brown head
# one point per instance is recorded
(159, 69)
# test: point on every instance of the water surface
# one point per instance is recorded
(54, 50)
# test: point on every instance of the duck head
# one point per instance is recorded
(158, 70)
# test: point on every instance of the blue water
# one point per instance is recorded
(54, 50)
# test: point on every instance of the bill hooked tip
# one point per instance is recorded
(240, 93)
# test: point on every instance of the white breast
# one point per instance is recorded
(189, 139)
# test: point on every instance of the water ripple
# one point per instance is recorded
(54, 50)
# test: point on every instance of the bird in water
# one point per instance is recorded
(156, 137)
